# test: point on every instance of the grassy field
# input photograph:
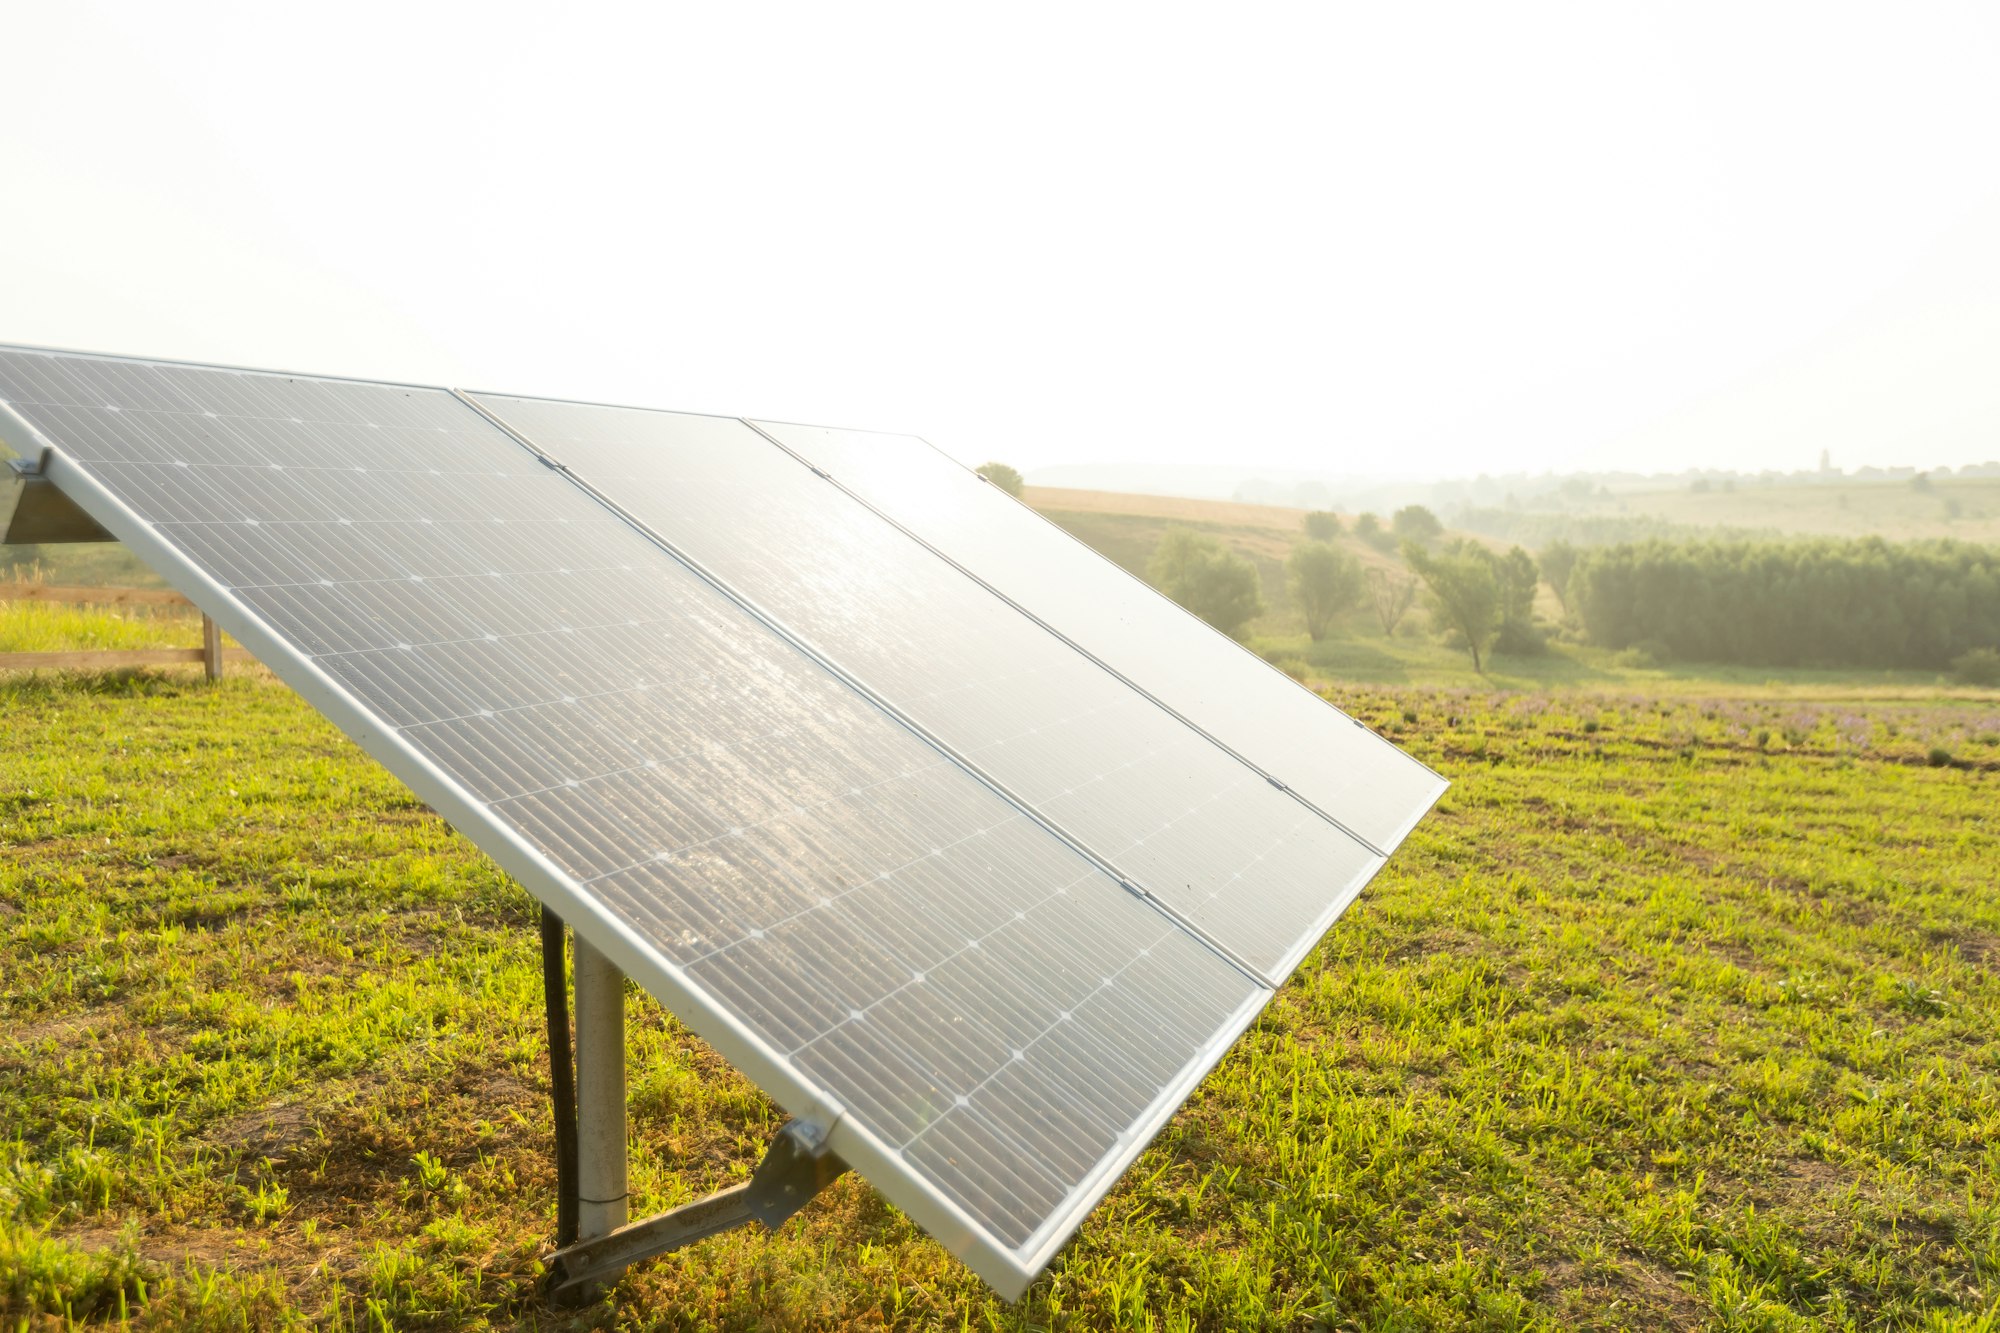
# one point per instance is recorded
(1678, 1012)
(1674, 1014)
(1967, 509)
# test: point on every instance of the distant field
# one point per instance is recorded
(1674, 1015)
(1127, 527)
(1848, 509)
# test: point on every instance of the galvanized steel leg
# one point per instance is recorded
(600, 1092)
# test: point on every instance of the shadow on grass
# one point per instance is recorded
(127, 683)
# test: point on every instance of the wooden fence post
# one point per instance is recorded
(211, 648)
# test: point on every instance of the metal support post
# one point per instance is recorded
(211, 649)
(562, 1072)
(600, 1092)
(594, 1244)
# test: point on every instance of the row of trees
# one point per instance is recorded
(1325, 581)
(1411, 523)
(1866, 602)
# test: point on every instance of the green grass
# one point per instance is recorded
(1676, 1013)
(38, 627)
(1357, 653)
(99, 564)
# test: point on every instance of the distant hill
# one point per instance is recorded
(1964, 508)
(1126, 527)
(1968, 509)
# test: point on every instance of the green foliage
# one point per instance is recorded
(1481, 597)
(1369, 529)
(1977, 666)
(1517, 578)
(1461, 591)
(1003, 476)
(1324, 581)
(1862, 603)
(1207, 578)
(1323, 525)
(1414, 523)
(1558, 561)
(1390, 594)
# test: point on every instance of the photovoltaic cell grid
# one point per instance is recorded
(1347, 771)
(975, 994)
(1247, 865)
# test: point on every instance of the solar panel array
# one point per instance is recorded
(914, 861)
(1353, 775)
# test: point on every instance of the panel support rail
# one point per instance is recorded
(594, 1242)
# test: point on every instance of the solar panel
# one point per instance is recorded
(1342, 768)
(874, 857)
(1164, 806)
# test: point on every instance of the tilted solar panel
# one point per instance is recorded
(1355, 776)
(858, 855)
(1245, 864)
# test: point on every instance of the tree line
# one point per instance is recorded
(1836, 602)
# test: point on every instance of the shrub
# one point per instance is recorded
(1977, 666)
(1414, 523)
(1003, 476)
(1369, 529)
(1207, 578)
(1323, 525)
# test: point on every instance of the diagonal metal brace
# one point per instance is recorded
(796, 1166)
(33, 511)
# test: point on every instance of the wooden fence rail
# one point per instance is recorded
(211, 654)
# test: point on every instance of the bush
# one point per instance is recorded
(1323, 525)
(1369, 529)
(1003, 476)
(1414, 523)
(1520, 639)
(1977, 666)
(1207, 578)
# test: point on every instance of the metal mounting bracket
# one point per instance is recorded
(33, 511)
(796, 1166)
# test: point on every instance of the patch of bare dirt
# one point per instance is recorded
(267, 1131)
(66, 1027)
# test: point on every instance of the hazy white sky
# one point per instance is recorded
(1364, 238)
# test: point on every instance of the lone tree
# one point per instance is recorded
(1518, 578)
(1392, 594)
(1462, 592)
(1558, 560)
(1003, 476)
(1325, 580)
(1323, 525)
(1414, 523)
(1207, 578)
